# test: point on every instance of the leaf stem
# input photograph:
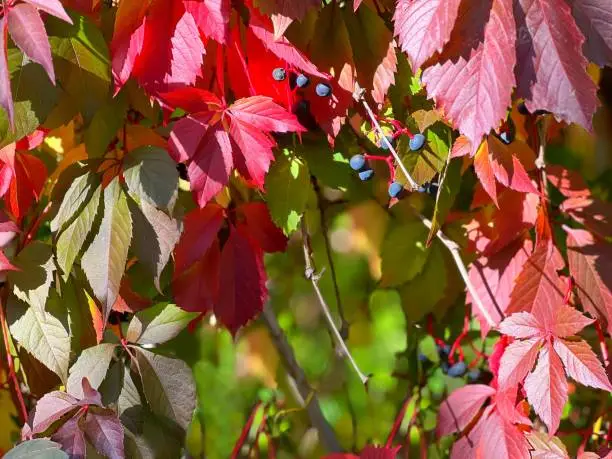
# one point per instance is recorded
(311, 275)
(398, 421)
(326, 433)
(245, 432)
(23, 412)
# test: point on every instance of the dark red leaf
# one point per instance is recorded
(199, 233)
(594, 17)
(261, 228)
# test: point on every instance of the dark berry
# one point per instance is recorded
(384, 145)
(422, 189)
(507, 132)
(417, 142)
(357, 162)
(323, 90)
(444, 351)
(457, 370)
(395, 189)
(445, 366)
(522, 109)
(422, 357)
(432, 189)
(541, 112)
(279, 74)
(301, 109)
(302, 81)
(182, 170)
(366, 175)
(473, 375)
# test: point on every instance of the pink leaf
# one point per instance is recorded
(518, 360)
(502, 439)
(212, 17)
(105, 432)
(186, 136)
(6, 95)
(51, 408)
(384, 76)
(473, 86)
(124, 55)
(596, 215)
(581, 364)
(485, 172)
(28, 32)
(508, 169)
(594, 17)
(505, 405)
(521, 325)
(255, 155)
(460, 408)
(242, 282)
(424, 27)
(546, 389)
(590, 264)
(263, 113)
(53, 7)
(567, 321)
(553, 73)
(72, 438)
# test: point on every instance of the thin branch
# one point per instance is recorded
(310, 273)
(344, 327)
(326, 433)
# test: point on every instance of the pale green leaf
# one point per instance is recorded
(158, 324)
(31, 284)
(105, 124)
(42, 335)
(403, 252)
(104, 260)
(71, 240)
(80, 192)
(39, 448)
(92, 364)
(447, 192)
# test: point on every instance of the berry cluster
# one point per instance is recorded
(454, 370)
(301, 81)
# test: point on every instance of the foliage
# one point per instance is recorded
(198, 194)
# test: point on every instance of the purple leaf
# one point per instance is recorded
(72, 438)
(105, 432)
(53, 7)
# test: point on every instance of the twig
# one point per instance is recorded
(455, 251)
(310, 273)
(9, 360)
(358, 95)
(344, 327)
(326, 433)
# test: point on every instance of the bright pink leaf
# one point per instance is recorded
(261, 228)
(51, 408)
(186, 137)
(6, 95)
(460, 408)
(505, 405)
(356, 4)
(29, 34)
(242, 281)
(581, 363)
(521, 325)
(384, 76)
(461, 147)
(424, 27)
(200, 230)
(53, 7)
(474, 86)
(590, 264)
(567, 321)
(553, 72)
(502, 439)
(212, 17)
(546, 389)
(594, 17)
(518, 360)
(262, 113)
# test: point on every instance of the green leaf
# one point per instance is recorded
(31, 284)
(93, 364)
(403, 252)
(425, 291)
(39, 448)
(71, 240)
(42, 335)
(78, 194)
(426, 163)
(34, 97)
(104, 260)
(155, 235)
(447, 192)
(168, 385)
(81, 61)
(158, 324)
(288, 188)
(151, 176)
(105, 124)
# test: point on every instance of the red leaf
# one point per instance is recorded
(521, 325)
(460, 408)
(283, 12)
(505, 405)
(193, 100)
(212, 17)
(553, 72)
(379, 452)
(508, 169)
(493, 278)
(424, 27)
(199, 233)
(518, 360)
(581, 363)
(53, 7)
(461, 147)
(502, 440)
(384, 76)
(569, 183)
(261, 228)
(596, 215)
(590, 264)
(538, 285)
(29, 34)
(474, 86)
(546, 388)
(594, 17)
(262, 113)
(242, 281)
(255, 155)
(28, 180)
(484, 171)
(6, 96)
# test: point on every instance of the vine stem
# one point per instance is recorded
(326, 433)
(10, 364)
(398, 421)
(313, 277)
(245, 431)
(451, 245)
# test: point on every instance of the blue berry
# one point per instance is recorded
(279, 74)
(473, 375)
(422, 357)
(432, 189)
(366, 175)
(444, 351)
(302, 81)
(323, 90)
(506, 137)
(422, 189)
(417, 142)
(357, 162)
(395, 189)
(384, 145)
(457, 370)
